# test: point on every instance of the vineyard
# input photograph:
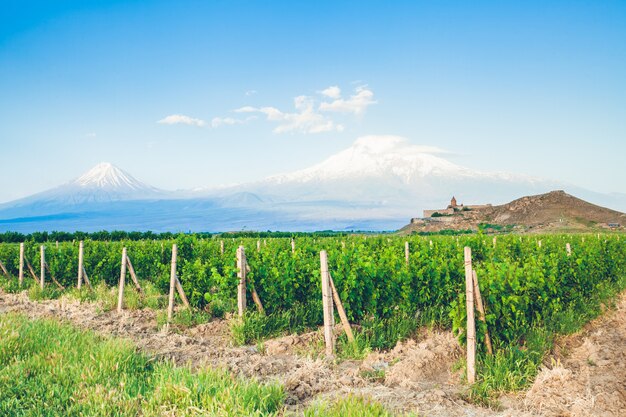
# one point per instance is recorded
(533, 287)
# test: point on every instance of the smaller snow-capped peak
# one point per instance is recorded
(107, 176)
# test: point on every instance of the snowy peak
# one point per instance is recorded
(380, 157)
(109, 177)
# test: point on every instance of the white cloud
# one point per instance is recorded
(309, 115)
(91, 135)
(332, 92)
(249, 93)
(304, 120)
(229, 121)
(357, 103)
(181, 119)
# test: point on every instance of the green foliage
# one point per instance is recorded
(526, 288)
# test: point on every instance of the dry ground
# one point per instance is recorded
(587, 377)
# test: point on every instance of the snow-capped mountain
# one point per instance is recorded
(378, 183)
(107, 177)
(389, 170)
(104, 183)
(376, 157)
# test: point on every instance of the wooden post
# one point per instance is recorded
(241, 274)
(539, 243)
(170, 305)
(257, 301)
(569, 249)
(327, 300)
(31, 270)
(495, 239)
(42, 276)
(258, 246)
(133, 275)
(4, 270)
(120, 295)
(293, 246)
(181, 293)
(406, 253)
(478, 300)
(21, 273)
(471, 324)
(80, 264)
(221, 247)
(342, 313)
(52, 276)
(86, 278)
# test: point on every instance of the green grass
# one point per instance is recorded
(183, 318)
(52, 369)
(256, 327)
(349, 407)
(510, 369)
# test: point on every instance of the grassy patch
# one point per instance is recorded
(510, 369)
(350, 407)
(185, 317)
(51, 369)
(255, 327)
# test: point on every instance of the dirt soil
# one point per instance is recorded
(588, 376)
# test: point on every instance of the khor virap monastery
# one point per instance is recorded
(453, 208)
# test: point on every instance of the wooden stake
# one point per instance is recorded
(81, 267)
(170, 305)
(569, 249)
(133, 275)
(21, 273)
(471, 324)
(87, 278)
(327, 300)
(221, 247)
(255, 295)
(495, 239)
(478, 300)
(31, 270)
(257, 301)
(42, 277)
(539, 243)
(4, 270)
(293, 246)
(181, 293)
(342, 313)
(53, 278)
(258, 246)
(120, 295)
(241, 274)
(406, 253)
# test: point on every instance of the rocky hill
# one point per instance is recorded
(553, 211)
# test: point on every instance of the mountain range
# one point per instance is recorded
(378, 183)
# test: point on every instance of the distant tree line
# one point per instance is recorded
(117, 235)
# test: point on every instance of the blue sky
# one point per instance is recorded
(535, 87)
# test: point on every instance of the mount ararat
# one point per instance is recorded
(378, 183)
